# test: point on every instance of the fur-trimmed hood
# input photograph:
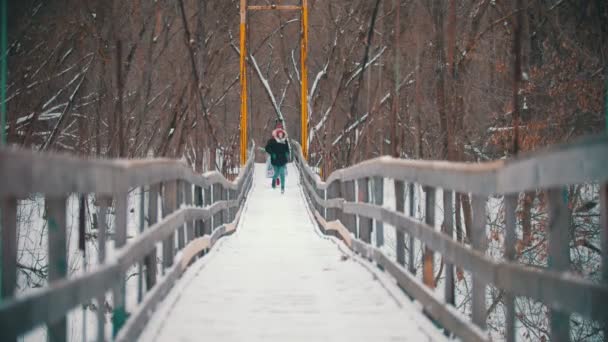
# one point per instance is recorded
(277, 132)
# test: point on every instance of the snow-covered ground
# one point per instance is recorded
(278, 278)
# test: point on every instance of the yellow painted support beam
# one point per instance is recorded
(274, 7)
(304, 100)
(243, 77)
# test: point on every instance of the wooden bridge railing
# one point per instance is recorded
(199, 208)
(357, 191)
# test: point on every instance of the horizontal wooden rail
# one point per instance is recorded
(59, 175)
(563, 292)
(23, 172)
(585, 161)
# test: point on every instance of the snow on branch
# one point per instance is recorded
(361, 68)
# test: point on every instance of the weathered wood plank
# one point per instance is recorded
(480, 243)
(510, 242)
(58, 258)
(559, 255)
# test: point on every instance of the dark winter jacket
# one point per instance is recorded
(278, 150)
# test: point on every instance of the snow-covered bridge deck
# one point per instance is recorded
(279, 279)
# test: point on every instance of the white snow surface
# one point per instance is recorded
(279, 279)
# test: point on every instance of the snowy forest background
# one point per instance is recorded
(412, 78)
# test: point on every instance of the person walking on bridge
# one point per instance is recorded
(278, 149)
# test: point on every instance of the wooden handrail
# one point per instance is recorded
(563, 292)
(58, 175)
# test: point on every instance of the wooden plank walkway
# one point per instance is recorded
(279, 279)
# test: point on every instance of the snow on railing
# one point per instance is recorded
(199, 208)
(349, 204)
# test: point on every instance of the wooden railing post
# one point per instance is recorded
(379, 200)
(334, 191)
(217, 196)
(8, 240)
(480, 243)
(119, 315)
(169, 206)
(604, 237)
(150, 259)
(448, 229)
(559, 255)
(180, 200)
(142, 227)
(208, 200)
(349, 220)
(225, 212)
(101, 239)
(188, 202)
(198, 202)
(428, 268)
(412, 243)
(58, 258)
(510, 241)
(365, 224)
(399, 235)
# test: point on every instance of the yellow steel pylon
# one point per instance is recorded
(304, 79)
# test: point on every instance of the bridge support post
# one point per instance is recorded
(559, 255)
(365, 224)
(400, 207)
(480, 243)
(58, 258)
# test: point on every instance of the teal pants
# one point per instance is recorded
(279, 171)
